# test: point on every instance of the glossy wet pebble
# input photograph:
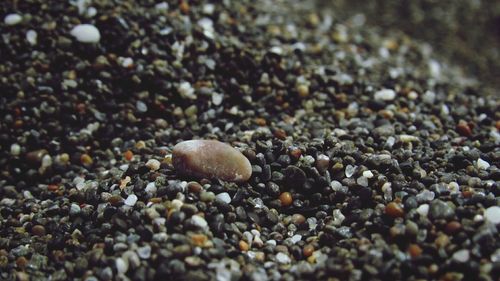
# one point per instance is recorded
(211, 159)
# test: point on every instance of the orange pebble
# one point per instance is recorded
(86, 159)
(286, 199)
(243, 246)
(128, 155)
(414, 250)
(394, 210)
(308, 250)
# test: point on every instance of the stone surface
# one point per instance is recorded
(211, 159)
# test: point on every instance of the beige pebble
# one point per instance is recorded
(211, 159)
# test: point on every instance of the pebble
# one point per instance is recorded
(481, 164)
(15, 149)
(12, 19)
(461, 256)
(286, 199)
(338, 217)
(38, 230)
(492, 214)
(199, 221)
(211, 159)
(86, 33)
(131, 200)
(283, 258)
(423, 210)
(385, 95)
(394, 210)
(224, 197)
(440, 210)
(153, 164)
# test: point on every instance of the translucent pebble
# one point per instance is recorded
(349, 170)
(131, 200)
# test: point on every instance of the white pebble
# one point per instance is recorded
(481, 164)
(423, 210)
(385, 95)
(31, 37)
(296, 238)
(12, 19)
(338, 217)
(283, 258)
(121, 265)
(86, 33)
(131, 200)
(186, 90)
(46, 161)
(126, 62)
(217, 98)
(153, 164)
(368, 174)
(151, 188)
(492, 214)
(363, 181)
(349, 170)
(224, 197)
(15, 149)
(144, 252)
(177, 204)
(461, 255)
(199, 221)
(429, 97)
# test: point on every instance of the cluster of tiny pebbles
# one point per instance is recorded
(253, 140)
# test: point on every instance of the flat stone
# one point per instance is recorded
(211, 159)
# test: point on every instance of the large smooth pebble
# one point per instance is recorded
(86, 33)
(211, 159)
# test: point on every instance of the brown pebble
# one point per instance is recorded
(295, 152)
(128, 155)
(298, 219)
(243, 246)
(211, 159)
(194, 187)
(308, 250)
(35, 157)
(286, 199)
(115, 200)
(414, 250)
(453, 227)
(394, 210)
(38, 230)
(21, 262)
(464, 129)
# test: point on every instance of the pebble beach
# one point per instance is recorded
(239, 140)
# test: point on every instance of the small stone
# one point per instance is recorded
(492, 214)
(243, 246)
(283, 258)
(440, 210)
(121, 265)
(464, 129)
(86, 159)
(131, 200)
(452, 227)
(349, 170)
(414, 250)
(153, 164)
(286, 199)
(38, 230)
(12, 19)
(482, 165)
(461, 256)
(86, 33)
(303, 90)
(423, 210)
(322, 162)
(211, 159)
(15, 149)
(144, 252)
(298, 219)
(394, 210)
(224, 197)
(186, 90)
(199, 221)
(385, 95)
(338, 217)
(308, 250)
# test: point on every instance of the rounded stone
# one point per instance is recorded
(86, 33)
(211, 159)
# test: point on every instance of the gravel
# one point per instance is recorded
(335, 150)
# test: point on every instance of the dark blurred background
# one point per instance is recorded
(464, 32)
